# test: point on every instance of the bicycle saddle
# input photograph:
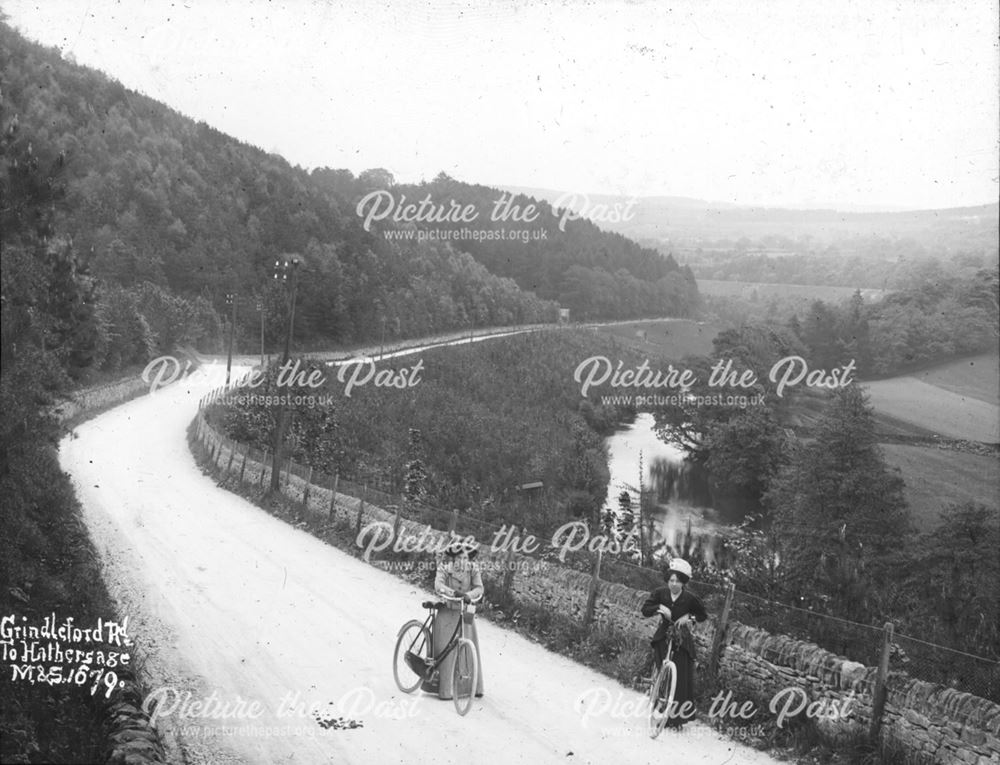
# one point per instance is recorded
(432, 604)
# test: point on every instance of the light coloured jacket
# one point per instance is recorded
(459, 574)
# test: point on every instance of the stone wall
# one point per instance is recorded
(941, 724)
(89, 402)
(923, 720)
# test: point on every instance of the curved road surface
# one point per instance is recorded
(260, 624)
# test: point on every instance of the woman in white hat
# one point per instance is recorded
(458, 575)
(676, 606)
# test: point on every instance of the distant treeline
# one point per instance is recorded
(921, 325)
(154, 198)
(938, 319)
(871, 262)
(932, 321)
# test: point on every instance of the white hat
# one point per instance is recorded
(681, 566)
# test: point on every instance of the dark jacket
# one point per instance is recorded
(686, 603)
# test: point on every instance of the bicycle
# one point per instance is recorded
(663, 688)
(412, 659)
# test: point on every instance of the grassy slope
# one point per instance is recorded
(48, 565)
(977, 377)
(671, 339)
(936, 478)
(958, 399)
(940, 411)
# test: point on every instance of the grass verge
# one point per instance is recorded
(49, 565)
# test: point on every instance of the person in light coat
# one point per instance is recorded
(458, 575)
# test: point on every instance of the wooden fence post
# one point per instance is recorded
(357, 522)
(878, 698)
(508, 574)
(720, 631)
(453, 523)
(232, 456)
(305, 491)
(333, 495)
(395, 525)
(243, 464)
(595, 583)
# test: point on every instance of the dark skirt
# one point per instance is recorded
(444, 626)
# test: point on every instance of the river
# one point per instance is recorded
(676, 490)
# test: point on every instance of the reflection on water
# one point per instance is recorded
(678, 491)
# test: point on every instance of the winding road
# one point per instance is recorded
(254, 632)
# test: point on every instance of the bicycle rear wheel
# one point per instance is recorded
(661, 698)
(413, 651)
(465, 675)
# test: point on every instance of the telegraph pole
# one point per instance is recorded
(281, 273)
(230, 301)
(260, 308)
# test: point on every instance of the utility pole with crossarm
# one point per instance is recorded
(282, 269)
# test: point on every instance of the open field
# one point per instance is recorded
(667, 338)
(936, 478)
(975, 377)
(765, 290)
(954, 404)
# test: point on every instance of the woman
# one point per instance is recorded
(677, 607)
(457, 575)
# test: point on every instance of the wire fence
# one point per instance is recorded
(595, 582)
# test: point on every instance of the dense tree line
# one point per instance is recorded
(593, 273)
(934, 320)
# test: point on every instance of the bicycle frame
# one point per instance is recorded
(456, 636)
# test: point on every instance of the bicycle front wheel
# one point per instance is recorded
(413, 650)
(465, 675)
(661, 698)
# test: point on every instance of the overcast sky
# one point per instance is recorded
(873, 103)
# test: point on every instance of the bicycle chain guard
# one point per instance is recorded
(418, 664)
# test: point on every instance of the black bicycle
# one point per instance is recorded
(412, 663)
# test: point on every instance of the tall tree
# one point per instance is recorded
(837, 510)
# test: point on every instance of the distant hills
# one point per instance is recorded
(685, 219)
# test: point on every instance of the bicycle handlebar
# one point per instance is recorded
(461, 598)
